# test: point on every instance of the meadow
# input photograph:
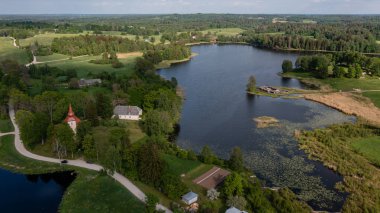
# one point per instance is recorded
(83, 66)
(8, 51)
(46, 38)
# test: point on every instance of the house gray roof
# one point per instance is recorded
(189, 196)
(234, 210)
(127, 110)
(89, 82)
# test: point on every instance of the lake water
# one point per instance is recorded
(218, 112)
(32, 193)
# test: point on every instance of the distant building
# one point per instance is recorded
(128, 112)
(190, 198)
(72, 120)
(235, 210)
(89, 82)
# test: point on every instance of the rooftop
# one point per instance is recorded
(127, 110)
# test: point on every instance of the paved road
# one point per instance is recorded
(78, 163)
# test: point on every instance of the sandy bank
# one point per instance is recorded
(350, 104)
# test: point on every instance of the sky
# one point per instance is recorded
(189, 6)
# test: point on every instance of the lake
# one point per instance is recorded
(32, 193)
(217, 112)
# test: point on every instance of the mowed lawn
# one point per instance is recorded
(178, 166)
(8, 51)
(369, 148)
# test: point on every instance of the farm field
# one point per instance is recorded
(8, 51)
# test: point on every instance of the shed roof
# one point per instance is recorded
(189, 196)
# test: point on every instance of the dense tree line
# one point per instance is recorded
(96, 45)
(337, 65)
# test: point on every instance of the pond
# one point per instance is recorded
(217, 112)
(33, 193)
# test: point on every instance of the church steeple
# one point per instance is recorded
(71, 119)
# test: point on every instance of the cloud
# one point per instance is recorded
(188, 6)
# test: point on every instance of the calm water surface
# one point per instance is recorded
(217, 112)
(32, 193)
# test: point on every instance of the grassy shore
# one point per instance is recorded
(335, 147)
(90, 192)
(167, 63)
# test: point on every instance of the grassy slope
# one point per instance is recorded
(8, 51)
(369, 148)
(135, 132)
(177, 166)
(86, 193)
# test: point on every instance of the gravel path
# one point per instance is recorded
(78, 163)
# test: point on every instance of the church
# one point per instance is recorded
(72, 120)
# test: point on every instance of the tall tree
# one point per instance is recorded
(287, 66)
(150, 165)
(251, 86)
(236, 160)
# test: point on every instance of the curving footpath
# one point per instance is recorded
(78, 163)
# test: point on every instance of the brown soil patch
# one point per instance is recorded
(127, 55)
(212, 178)
(350, 104)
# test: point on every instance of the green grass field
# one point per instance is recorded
(53, 57)
(99, 194)
(224, 31)
(374, 96)
(177, 166)
(369, 148)
(45, 39)
(8, 51)
(83, 66)
(6, 125)
(135, 132)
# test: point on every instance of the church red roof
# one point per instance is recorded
(71, 116)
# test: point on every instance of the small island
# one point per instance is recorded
(266, 121)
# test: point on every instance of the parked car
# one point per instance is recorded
(64, 161)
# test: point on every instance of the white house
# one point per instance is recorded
(190, 198)
(89, 82)
(128, 113)
(235, 210)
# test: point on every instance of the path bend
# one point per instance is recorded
(78, 163)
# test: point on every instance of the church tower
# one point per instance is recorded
(72, 120)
